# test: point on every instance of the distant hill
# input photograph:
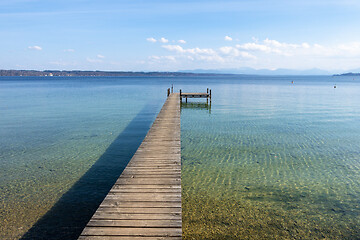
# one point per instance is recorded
(195, 72)
(350, 74)
(252, 71)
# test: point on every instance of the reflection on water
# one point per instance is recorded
(196, 106)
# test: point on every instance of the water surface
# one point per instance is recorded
(268, 160)
(64, 141)
(273, 160)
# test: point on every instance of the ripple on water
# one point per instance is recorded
(269, 178)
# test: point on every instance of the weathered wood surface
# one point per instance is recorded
(195, 95)
(145, 202)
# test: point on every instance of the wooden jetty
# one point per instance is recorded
(145, 202)
(206, 95)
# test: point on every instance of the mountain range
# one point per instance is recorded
(280, 71)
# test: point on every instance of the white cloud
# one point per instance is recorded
(175, 48)
(69, 50)
(62, 63)
(221, 55)
(209, 53)
(179, 49)
(266, 53)
(159, 58)
(305, 45)
(351, 47)
(98, 59)
(234, 52)
(92, 60)
(255, 39)
(163, 40)
(202, 54)
(227, 38)
(35, 48)
(254, 46)
(151, 39)
(270, 46)
(273, 46)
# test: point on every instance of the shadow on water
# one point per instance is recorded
(196, 106)
(67, 218)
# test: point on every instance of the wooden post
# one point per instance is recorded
(186, 99)
(210, 95)
(168, 92)
(172, 88)
(207, 96)
(180, 96)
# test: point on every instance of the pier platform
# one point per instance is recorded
(206, 95)
(145, 202)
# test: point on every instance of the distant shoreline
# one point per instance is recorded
(57, 73)
(347, 74)
(79, 73)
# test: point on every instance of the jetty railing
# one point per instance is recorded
(206, 95)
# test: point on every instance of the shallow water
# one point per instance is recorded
(268, 159)
(273, 160)
(53, 131)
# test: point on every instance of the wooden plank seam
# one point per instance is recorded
(145, 201)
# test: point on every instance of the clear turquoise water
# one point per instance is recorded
(53, 131)
(269, 159)
(273, 160)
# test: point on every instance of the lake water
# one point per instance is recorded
(268, 159)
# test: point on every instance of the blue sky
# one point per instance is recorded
(168, 35)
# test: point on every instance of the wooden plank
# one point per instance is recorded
(140, 210)
(149, 181)
(152, 169)
(145, 196)
(136, 216)
(140, 204)
(145, 202)
(126, 238)
(195, 95)
(149, 171)
(123, 231)
(156, 164)
(159, 169)
(149, 186)
(157, 198)
(154, 175)
(135, 223)
(145, 190)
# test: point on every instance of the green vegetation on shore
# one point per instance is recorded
(75, 73)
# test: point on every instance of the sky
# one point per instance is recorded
(169, 35)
